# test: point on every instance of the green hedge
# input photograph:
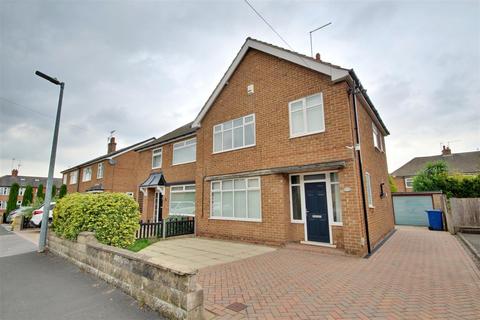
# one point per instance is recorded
(113, 217)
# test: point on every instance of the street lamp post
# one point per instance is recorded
(48, 194)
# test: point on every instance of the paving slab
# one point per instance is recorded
(200, 252)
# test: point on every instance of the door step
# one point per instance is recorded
(316, 248)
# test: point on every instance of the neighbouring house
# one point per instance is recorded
(166, 171)
(23, 181)
(112, 172)
(288, 149)
(465, 163)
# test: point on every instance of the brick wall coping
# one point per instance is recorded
(422, 193)
(89, 237)
(332, 165)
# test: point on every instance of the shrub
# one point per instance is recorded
(40, 193)
(27, 196)
(113, 217)
(435, 177)
(63, 191)
(54, 191)
(12, 198)
(393, 186)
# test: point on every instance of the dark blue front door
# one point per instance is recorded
(317, 212)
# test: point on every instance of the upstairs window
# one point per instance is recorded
(100, 170)
(306, 115)
(234, 134)
(65, 179)
(156, 158)
(4, 191)
(21, 191)
(184, 151)
(87, 174)
(409, 183)
(73, 177)
(377, 138)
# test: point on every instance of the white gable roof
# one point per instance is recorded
(336, 73)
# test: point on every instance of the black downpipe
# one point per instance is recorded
(360, 165)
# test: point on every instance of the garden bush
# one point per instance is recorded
(113, 217)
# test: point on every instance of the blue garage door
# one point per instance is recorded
(410, 210)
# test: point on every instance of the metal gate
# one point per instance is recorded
(410, 209)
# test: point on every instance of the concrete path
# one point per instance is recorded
(39, 286)
(416, 274)
(473, 239)
(200, 252)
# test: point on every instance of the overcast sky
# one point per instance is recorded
(144, 68)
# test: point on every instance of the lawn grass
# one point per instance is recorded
(140, 244)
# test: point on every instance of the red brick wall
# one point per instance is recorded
(172, 174)
(380, 218)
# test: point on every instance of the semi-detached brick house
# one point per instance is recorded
(289, 149)
(166, 174)
(112, 172)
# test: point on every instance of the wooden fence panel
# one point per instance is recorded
(465, 213)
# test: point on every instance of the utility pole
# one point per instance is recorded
(48, 195)
(311, 43)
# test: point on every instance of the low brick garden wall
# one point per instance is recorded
(171, 290)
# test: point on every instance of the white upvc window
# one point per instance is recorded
(185, 151)
(100, 171)
(182, 200)
(336, 200)
(65, 178)
(368, 182)
(409, 183)
(236, 199)
(377, 138)
(306, 116)
(73, 177)
(4, 191)
(3, 204)
(156, 158)
(21, 191)
(87, 174)
(234, 134)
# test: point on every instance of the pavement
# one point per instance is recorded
(473, 239)
(45, 286)
(416, 274)
(200, 252)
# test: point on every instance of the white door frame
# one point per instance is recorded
(304, 206)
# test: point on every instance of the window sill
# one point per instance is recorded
(180, 163)
(306, 134)
(378, 149)
(234, 219)
(153, 168)
(234, 149)
(297, 221)
(371, 207)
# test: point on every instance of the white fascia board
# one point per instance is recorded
(336, 74)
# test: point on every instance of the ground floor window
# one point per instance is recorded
(297, 194)
(236, 199)
(3, 204)
(182, 200)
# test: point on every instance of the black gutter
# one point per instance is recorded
(356, 89)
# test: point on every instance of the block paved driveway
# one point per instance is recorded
(417, 274)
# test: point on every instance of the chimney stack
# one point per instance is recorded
(446, 151)
(15, 172)
(112, 145)
(317, 57)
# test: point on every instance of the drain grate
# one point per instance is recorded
(237, 306)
